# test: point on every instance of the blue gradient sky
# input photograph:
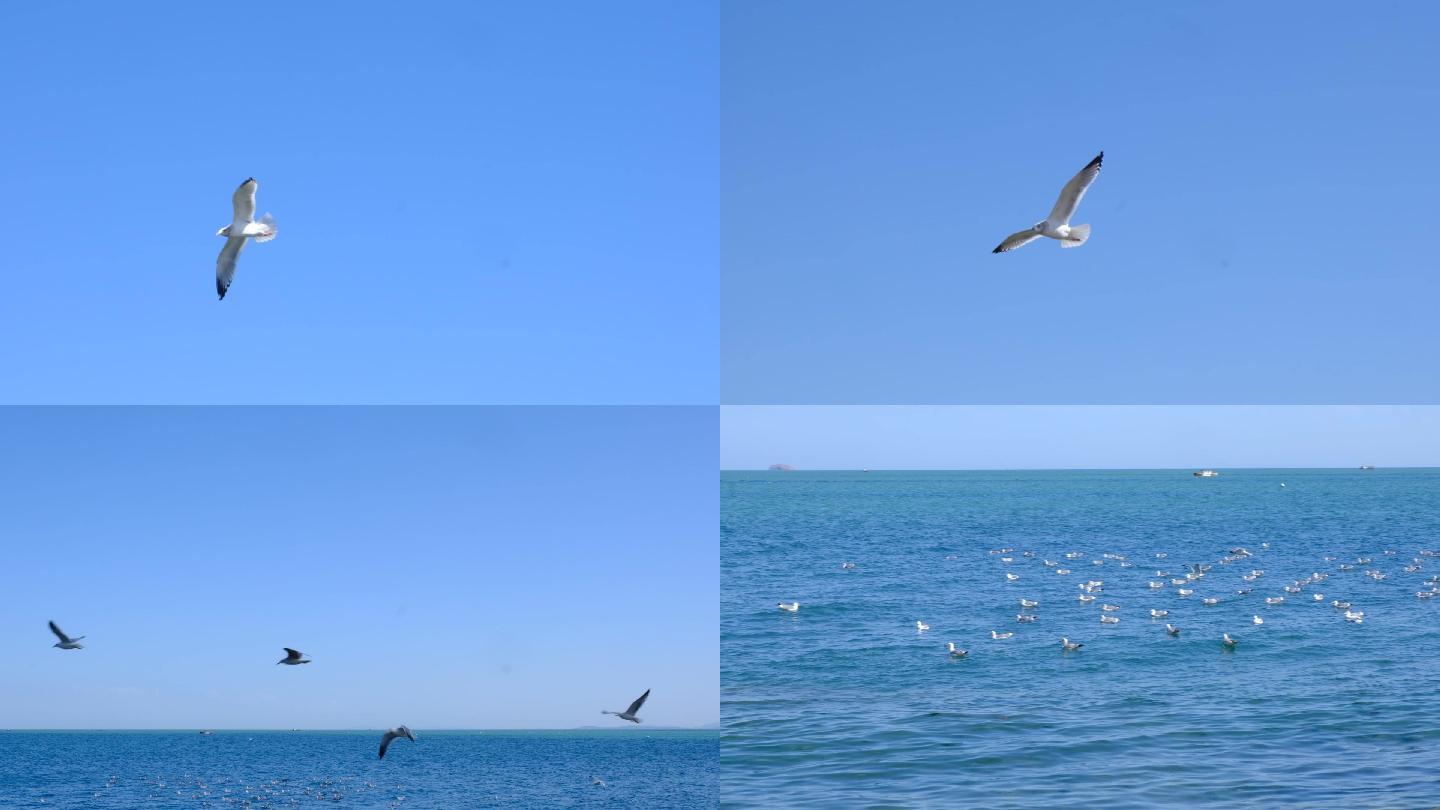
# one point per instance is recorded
(1260, 227)
(961, 437)
(444, 567)
(478, 202)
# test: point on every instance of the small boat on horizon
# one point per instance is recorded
(1367, 466)
(1206, 474)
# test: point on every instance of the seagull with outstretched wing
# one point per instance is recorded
(402, 731)
(241, 228)
(65, 642)
(630, 713)
(293, 657)
(1057, 225)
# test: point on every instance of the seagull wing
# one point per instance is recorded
(1016, 240)
(289, 653)
(225, 265)
(1074, 191)
(640, 701)
(385, 741)
(245, 201)
(64, 639)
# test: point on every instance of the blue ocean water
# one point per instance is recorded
(442, 769)
(846, 703)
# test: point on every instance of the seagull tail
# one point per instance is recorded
(1078, 235)
(271, 229)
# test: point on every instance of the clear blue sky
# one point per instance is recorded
(444, 567)
(478, 202)
(1262, 226)
(967, 437)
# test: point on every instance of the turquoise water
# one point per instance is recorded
(272, 769)
(846, 703)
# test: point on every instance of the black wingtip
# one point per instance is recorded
(997, 250)
(1099, 159)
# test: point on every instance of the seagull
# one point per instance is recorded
(1274, 600)
(1109, 619)
(392, 734)
(999, 636)
(66, 642)
(1028, 603)
(1158, 614)
(597, 781)
(1057, 225)
(1227, 641)
(1070, 646)
(1109, 608)
(1024, 618)
(1011, 577)
(790, 606)
(847, 565)
(1172, 629)
(1210, 602)
(629, 714)
(292, 657)
(921, 626)
(956, 652)
(1256, 620)
(239, 229)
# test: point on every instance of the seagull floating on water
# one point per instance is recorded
(1070, 646)
(1172, 629)
(392, 734)
(790, 606)
(1158, 614)
(1227, 640)
(66, 642)
(1057, 225)
(956, 652)
(921, 626)
(293, 657)
(1028, 603)
(998, 636)
(630, 713)
(1025, 618)
(1256, 620)
(241, 228)
(1109, 619)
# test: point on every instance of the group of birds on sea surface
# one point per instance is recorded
(1184, 584)
(294, 657)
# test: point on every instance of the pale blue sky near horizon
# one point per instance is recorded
(976, 437)
(477, 203)
(463, 567)
(1260, 225)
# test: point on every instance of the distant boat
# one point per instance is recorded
(206, 733)
(782, 467)
(1206, 474)
(1367, 466)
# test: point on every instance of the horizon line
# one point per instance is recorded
(1068, 469)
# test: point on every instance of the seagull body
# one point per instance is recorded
(1256, 620)
(1029, 603)
(1070, 646)
(1057, 225)
(1011, 577)
(1210, 601)
(790, 607)
(1109, 608)
(1227, 640)
(292, 657)
(241, 228)
(1158, 614)
(847, 565)
(921, 626)
(1172, 629)
(630, 713)
(998, 636)
(1274, 600)
(956, 652)
(66, 642)
(392, 734)
(1109, 619)
(1025, 618)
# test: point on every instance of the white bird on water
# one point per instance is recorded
(241, 228)
(66, 642)
(1070, 646)
(790, 607)
(1256, 620)
(630, 713)
(292, 657)
(999, 636)
(1158, 614)
(921, 626)
(1057, 225)
(1011, 578)
(1028, 603)
(1172, 629)
(402, 731)
(956, 652)
(1227, 641)
(1109, 619)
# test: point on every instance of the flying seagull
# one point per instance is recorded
(66, 642)
(629, 714)
(292, 657)
(239, 229)
(392, 734)
(1057, 225)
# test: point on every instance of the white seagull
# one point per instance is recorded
(998, 636)
(1256, 620)
(66, 642)
(1028, 603)
(292, 657)
(242, 227)
(1057, 225)
(1227, 641)
(629, 714)
(790, 607)
(1172, 629)
(921, 626)
(956, 652)
(1070, 646)
(392, 734)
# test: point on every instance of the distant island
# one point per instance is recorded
(784, 467)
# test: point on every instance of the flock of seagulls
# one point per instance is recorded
(294, 657)
(1196, 576)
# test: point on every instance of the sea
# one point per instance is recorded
(846, 703)
(281, 769)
